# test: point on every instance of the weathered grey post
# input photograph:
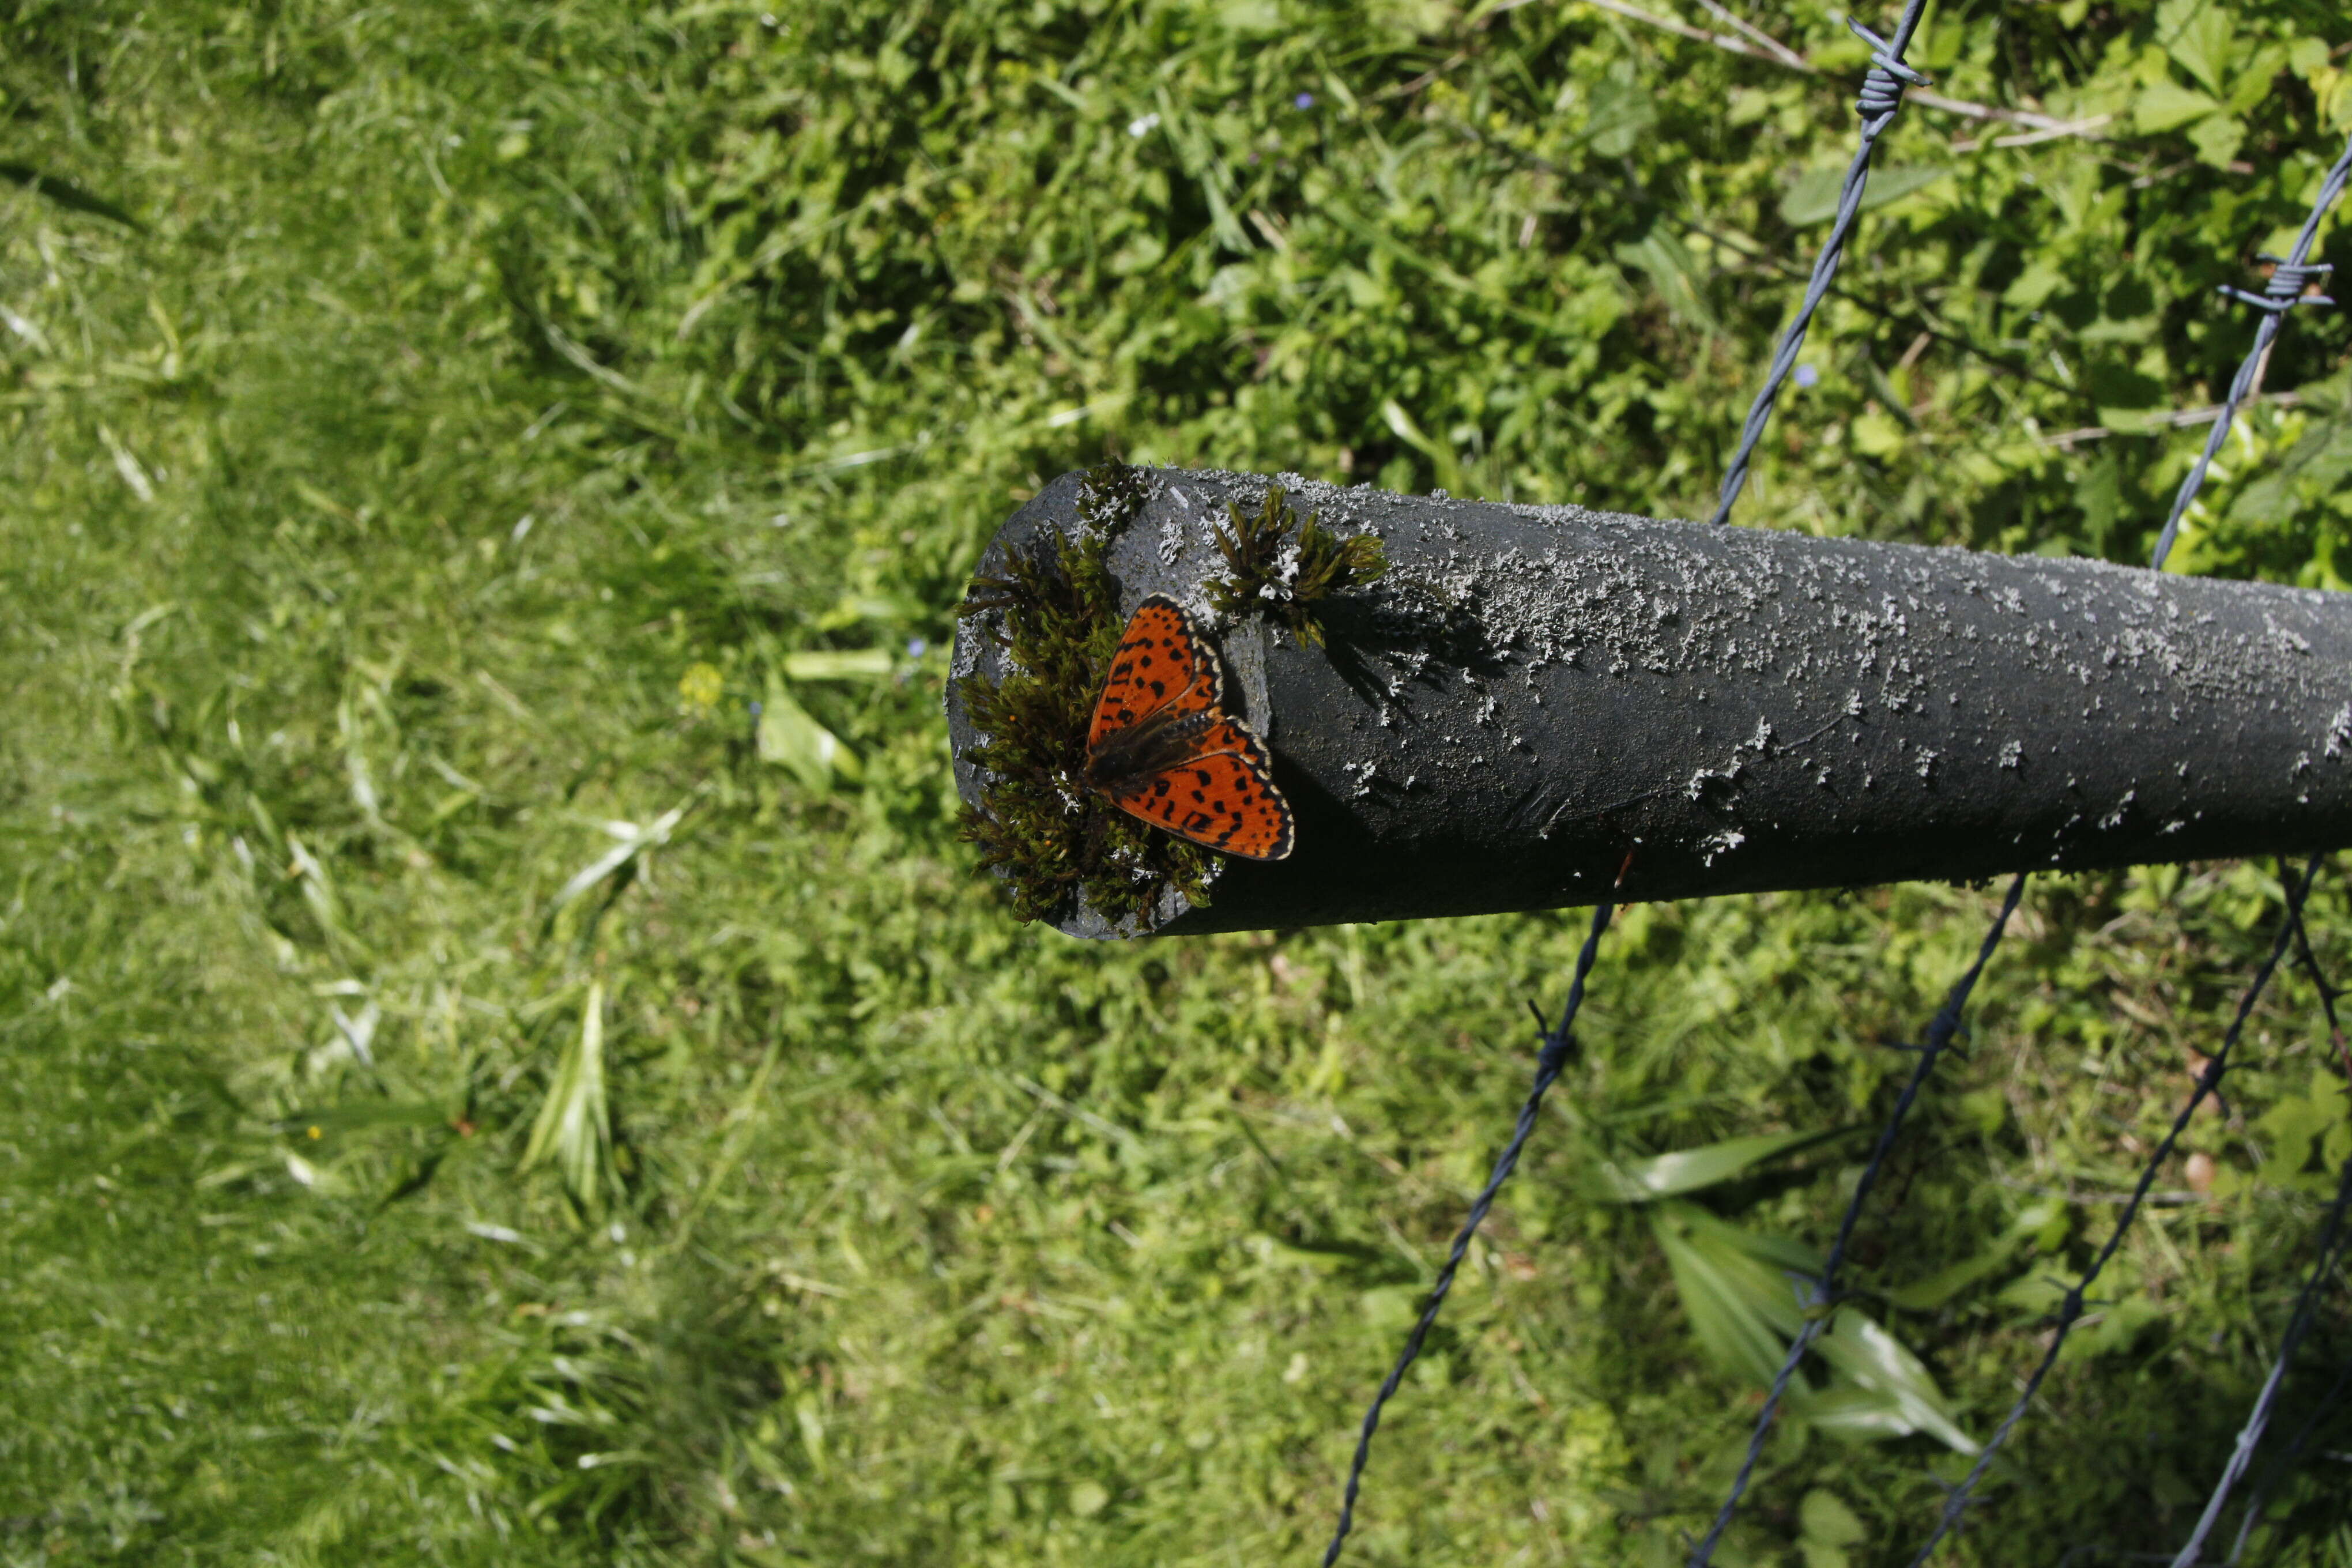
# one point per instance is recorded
(1538, 704)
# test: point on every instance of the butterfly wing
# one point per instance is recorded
(1161, 665)
(1221, 794)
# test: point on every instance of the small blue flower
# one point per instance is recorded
(917, 647)
(754, 706)
(1304, 101)
(1807, 375)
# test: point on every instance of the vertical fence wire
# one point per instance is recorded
(1823, 1292)
(1557, 1043)
(2306, 1302)
(2322, 1268)
(1881, 95)
(1880, 98)
(2329, 1402)
(2284, 291)
(2070, 1307)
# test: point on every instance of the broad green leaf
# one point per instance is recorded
(2316, 467)
(574, 1128)
(2035, 1294)
(1691, 1169)
(1828, 1527)
(1927, 1295)
(1680, 280)
(1623, 112)
(2202, 46)
(635, 840)
(2041, 278)
(791, 738)
(1875, 434)
(1814, 196)
(2167, 105)
(1442, 457)
(2217, 139)
(1741, 1291)
(1879, 1387)
(2106, 1330)
(1250, 16)
(829, 664)
(2303, 1127)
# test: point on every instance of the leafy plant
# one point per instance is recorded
(1744, 1295)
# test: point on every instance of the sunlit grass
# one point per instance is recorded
(395, 534)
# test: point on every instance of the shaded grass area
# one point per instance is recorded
(498, 401)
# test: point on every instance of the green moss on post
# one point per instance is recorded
(1054, 841)
(1282, 577)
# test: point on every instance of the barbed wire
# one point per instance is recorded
(1880, 98)
(1823, 1293)
(2070, 1307)
(2281, 292)
(2284, 291)
(1557, 1043)
(1881, 95)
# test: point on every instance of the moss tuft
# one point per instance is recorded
(1054, 841)
(1279, 575)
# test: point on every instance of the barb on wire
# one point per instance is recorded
(2282, 293)
(1940, 1031)
(1557, 1045)
(1881, 95)
(2070, 1307)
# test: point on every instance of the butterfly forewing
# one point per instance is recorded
(1163, 748)
(1160, 666)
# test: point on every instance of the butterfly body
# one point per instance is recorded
(1163, 748)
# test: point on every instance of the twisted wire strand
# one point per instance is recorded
(2070, 1308)
(1881, 96)
(1947, 1023)
(2329, 1403)
(2284, 291)
(2306, 1303)
(2280, 1465)
(1557, 1045)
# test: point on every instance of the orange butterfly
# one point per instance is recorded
(1162, 747)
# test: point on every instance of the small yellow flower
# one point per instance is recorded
(701, 688)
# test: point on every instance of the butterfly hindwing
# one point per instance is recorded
(1161, 665)
(1222, 795)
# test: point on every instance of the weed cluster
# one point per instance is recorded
(1052, 839)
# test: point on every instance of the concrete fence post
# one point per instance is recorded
(1534, 705)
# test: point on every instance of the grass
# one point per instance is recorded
(495, 401)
